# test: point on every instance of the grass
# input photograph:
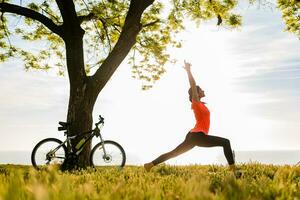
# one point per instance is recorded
(163, 182)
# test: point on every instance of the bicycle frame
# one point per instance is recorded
(95, 132)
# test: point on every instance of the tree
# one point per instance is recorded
(109, 30)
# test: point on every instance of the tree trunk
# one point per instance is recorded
(80, 116)
(82, 96)
(80, 110)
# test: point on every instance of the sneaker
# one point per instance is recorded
(148, 166)
(237, 173)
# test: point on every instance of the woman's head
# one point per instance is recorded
(199, 91)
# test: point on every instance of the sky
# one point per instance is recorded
(251, 78)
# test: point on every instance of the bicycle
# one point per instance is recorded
(54, 151)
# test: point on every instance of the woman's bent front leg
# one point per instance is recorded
(203, 140)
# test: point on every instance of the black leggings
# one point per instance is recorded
(201, 140)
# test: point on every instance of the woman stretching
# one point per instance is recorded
(198, 136)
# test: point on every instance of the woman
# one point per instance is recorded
(198, 136)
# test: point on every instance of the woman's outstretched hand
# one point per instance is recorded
(187, 66)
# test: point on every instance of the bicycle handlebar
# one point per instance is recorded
(101, 120)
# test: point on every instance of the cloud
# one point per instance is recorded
(265, 57)
(20, 89)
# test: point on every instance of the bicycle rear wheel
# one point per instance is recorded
(49, 151)
(115, 155)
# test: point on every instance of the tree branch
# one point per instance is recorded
(57, 20)
(116, 27)
(26, 12)
(69, 15)
(127, 39)
(88, 17)
(106, 33)
(151, 23)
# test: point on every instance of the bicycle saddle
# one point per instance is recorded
(64, 126)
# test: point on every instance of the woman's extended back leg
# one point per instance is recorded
(186, 145)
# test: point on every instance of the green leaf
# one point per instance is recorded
(33, 6)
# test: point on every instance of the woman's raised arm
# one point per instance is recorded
(194, 91)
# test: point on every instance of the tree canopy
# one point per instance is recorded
(102, 22)
(291, 15)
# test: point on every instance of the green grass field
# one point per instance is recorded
(163, 182)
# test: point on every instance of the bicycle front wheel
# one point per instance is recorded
(115, 155)
(50, 151)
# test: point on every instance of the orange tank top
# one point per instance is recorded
(202, 116)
